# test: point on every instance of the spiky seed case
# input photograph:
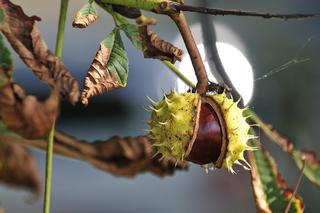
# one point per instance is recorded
(175, 122)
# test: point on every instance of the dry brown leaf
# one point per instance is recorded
(109, 68)
(119, 156)
(83, 21)
(18, 167)
(98, 80)
(127, 156)
(24, 37)
(156, 47)
(24, 114)
(85, 16)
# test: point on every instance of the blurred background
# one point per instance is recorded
(285, 96)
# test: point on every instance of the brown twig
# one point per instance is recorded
(296, 187)
(118, 156)
(193, 51)
(224, 12)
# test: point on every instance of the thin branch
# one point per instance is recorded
(224, 12)
(296, 187)
(218, 71)
(118, 156)
(193, 51)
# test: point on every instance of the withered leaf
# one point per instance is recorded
(130, 155)
(24, 114)
(270, 190)
(147, 41)
(18, 167)
(85, 16)
(119, 156)
(109, 69)
(24, 37)
(156, 47)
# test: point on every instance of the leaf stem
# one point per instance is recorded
(58, 52)
(61, 27)
(180, 75)
(46, 208)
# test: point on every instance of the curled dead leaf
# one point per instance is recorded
(109, 68)
(85, 16)
(24, 37)
(83, 22)
(156, 47)
(129, 155)
(24, 114)
(119, 156)
(18, 167)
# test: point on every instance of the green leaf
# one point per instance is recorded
(88, 9)
(270, 190)
(133, 34)
(85, 16)
(131, 30)
(150, 5)
(3, 128)
(6, 63)
(109, 69)
(118, 63)
(5, 131)
(312, 166)
(1, 15)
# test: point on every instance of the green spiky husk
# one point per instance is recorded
(174, 126)
(172, 123)
(237, 131)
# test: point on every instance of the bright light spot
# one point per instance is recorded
(238, 69)
(235, 64)
(187, 69)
